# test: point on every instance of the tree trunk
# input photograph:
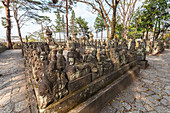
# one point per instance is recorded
(136, 29)
(67, 16)
(159, 31)
(143, 34)
(154, 35)
(26, 38)
(102, 34)
(64, 36)
(60, 36)
(19, 31)
(8, 22)
(42, 30)
(96, 35)
(147, 32)
(20, 37)
(113, 22)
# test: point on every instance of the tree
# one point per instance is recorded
(83, 26)
(29, 11)
(73, 24)
(6, 4)
(99, 25)
(58, 22)
(119, 27)
(63, 26)
(153, 15)
(126, 10)
(66, 4)
(105, 8)
(44, 21)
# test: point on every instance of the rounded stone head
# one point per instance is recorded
(72, 46)
(103, 52)
(71, 60)
(42, 56)
(48, 31)
(94, 52)
(60, 51)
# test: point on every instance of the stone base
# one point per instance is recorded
(96, 102)
(143, 64)
(2, 50)
(79, 83)
(81, 95)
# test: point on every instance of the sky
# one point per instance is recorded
(80, 10)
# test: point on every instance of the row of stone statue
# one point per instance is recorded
(54, 66)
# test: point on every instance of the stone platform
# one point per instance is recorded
(74, 99)
(149, 93)
(143, 64)
(96, 102)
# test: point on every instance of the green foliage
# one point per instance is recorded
(153, 15)
(73, 23)
(119, 27)
(83, 26)
(3, 21)
(99, 24)
(58, 22)
(63, 23)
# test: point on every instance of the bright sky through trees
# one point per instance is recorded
(80, 10)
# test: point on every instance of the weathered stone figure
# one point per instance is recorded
(141, 54)
(49, 38)
(91, 39)
(61, 61)
(115, 58)
(71, 69)
(92, 60)
(45, 91)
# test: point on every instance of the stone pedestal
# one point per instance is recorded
(143, 64)
(81, 95)
(79, 83)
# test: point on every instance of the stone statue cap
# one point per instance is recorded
(91, 35)
(74, 33)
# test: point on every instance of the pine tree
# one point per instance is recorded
(83, 26)
(63, 26)
(58, 26)
(73, 23)
(99, 25)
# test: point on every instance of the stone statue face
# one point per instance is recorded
(42, 58)
(94, 52)
(71, 61)
(73, 47)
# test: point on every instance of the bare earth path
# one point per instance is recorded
(150, 93)
(13, 93)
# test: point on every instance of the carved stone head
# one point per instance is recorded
(42, 56)
(71, 59)
(72, 46)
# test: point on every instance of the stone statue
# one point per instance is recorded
(45, 91)
(141, 54)
(106, 62)
(71, 69)
(99, 45)
(61, 61)
(115, 58)
(49, 38)
(91, 39)
(92, 60)
(77, 56)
